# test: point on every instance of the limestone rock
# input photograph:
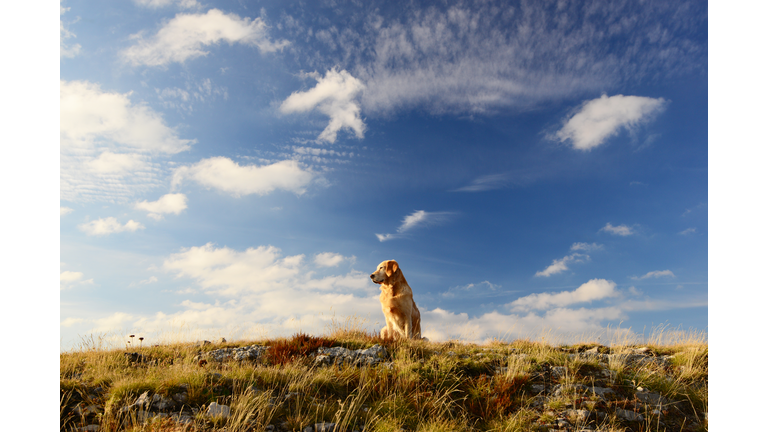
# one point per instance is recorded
(216, 410)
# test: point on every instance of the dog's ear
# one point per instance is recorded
(391, 267)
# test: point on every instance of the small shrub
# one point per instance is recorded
(283, 352)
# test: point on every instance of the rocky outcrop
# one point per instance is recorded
(584, 398)
(342, 356)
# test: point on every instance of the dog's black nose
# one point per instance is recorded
(371, 276)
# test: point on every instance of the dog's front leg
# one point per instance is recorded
(407, 330)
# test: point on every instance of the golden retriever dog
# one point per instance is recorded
(400, 311)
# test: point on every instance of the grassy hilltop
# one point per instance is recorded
(522, 385)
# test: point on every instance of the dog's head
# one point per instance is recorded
(384, 271)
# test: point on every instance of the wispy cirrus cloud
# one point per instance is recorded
(331, 259)
(654, 274)
(599, 119)
(63, 211)
(417, 219)
(185, 36)
(110, 225)
(688, 231)
(155, 4)
(335, 95)
(224, 174)
(65, 48)
(480, 57)
(586, 247)
(621, 230)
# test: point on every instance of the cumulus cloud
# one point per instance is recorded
(70, 276)
(417, 219)
(601, 118)
(223, 174)
(621, 230)
(173, 203)
(255, 291)
(69, 322)
(110, 144)
(185, 36)
(595, 289)
(110, 225)
(655, 274)
(330, 259)
(64, 211)
(68, 279)
(91, 117)
(335, 95)
(555, 326)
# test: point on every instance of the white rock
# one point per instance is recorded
(216, 410)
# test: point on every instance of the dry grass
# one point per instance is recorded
(428, 386)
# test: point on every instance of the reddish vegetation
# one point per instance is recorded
(489, 396)
(300, 345)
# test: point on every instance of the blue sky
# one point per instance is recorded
(240, 168)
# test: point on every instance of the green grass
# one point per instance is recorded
(427, 387)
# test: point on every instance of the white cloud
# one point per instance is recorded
(480, 289)
(66, 50)
(173, 203)
(554, 326)
(254, 292)
(109, 144)
(184, 37)
(479, 57)
(655, 274)
(595, 289)
(688, 231)
(64, 211)
(621, 230)
(227, 176)
(108, 226)
(68, 279)
(561, 265)
(486, 182)
(586, 247)
(69, 322)
(117, 164)
(335, 95)
(152, 279)
(599, 119)
(154, 4)
(70, 276)
(194, 92)
(91, 117)
(691, 210)
(330, 259)
(417, 219)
